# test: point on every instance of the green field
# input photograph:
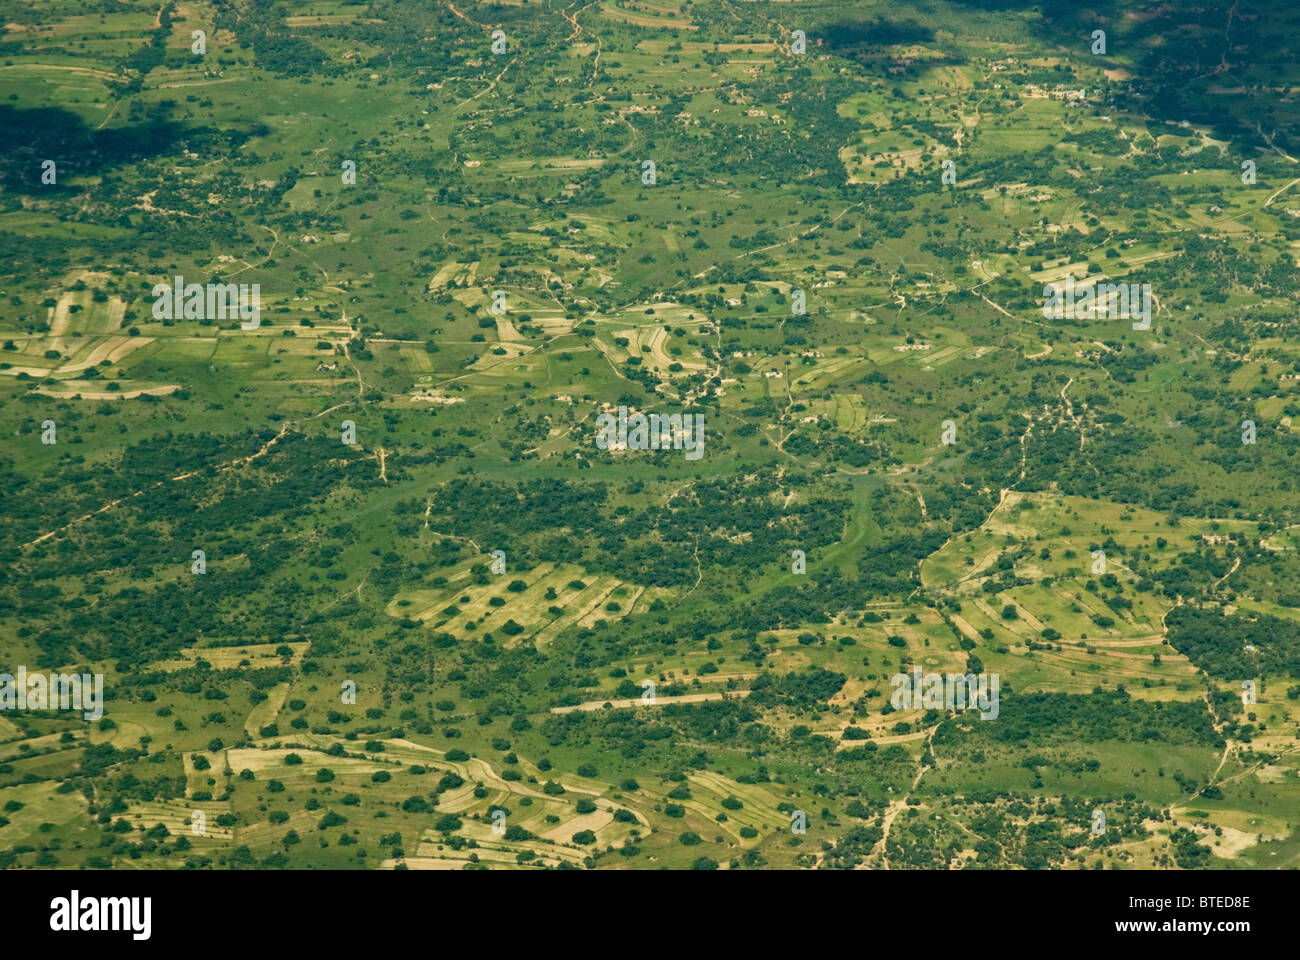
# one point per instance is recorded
(437, 625)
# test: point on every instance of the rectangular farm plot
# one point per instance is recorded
(178, 818)
(521, 607)
(252, 655)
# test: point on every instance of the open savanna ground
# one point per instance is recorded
(835, 254)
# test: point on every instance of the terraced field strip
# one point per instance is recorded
(265, 712)
(177, 817)
(758, 808)
(637, 20)
(659, 701)
(231, 658)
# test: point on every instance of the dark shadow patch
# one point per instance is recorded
(50, 133)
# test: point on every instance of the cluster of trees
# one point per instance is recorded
(1235, 647)
(1039, 719)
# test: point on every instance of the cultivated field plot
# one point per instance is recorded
(442, 623)
(539, 605)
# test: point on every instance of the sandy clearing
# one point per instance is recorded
(1229, 846)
